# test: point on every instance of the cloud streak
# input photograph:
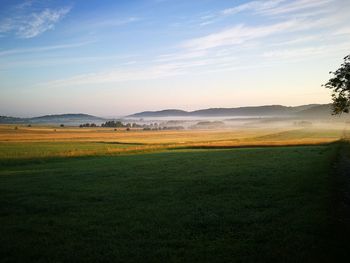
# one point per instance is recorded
(41, 49)
(230, 48)
(256, 6)
(241, 33)
(38, 23)
(276, 7)
(302, 53)
(25, 23)
(272, 8)
(117, 75)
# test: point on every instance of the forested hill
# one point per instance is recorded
(58, 118)
(267, 110)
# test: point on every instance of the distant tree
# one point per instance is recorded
(113, 124)
(62, 125)
(88, 125)
(340, 86)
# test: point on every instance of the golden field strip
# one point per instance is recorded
(40, 141)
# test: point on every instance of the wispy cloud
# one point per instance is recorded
(41, 49)
(256, 6)
(240, 34)
(217, 51)
(116, 22)
(284, 37)
(296, 6)
(342, 31)
(276, 7)
(38, 23)
(163, 67)
(24, 22)
(300, 40)
(271, 8)
(54, 61)
(118, 75)
(302, 53)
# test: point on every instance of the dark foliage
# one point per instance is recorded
(87, 125)
(113, 124)
(340, 85)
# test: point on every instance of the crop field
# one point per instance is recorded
(99, 195)
(32, 142)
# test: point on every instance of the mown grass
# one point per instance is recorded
(235, 205)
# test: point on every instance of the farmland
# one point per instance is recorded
(99, 195)
(28, 142)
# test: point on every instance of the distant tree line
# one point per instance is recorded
(119, 124)
(87, 125)
(160, 128)
(113, 124)
(146, 127)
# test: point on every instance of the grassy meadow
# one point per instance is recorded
(99, 195)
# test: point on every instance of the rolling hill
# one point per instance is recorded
(54, 119)
(310, 111)
(259, 111)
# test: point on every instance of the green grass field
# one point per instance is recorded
(233, 205)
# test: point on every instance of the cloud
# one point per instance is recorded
(296, 6)
(283, 37)
(242, 33)
(239, 34)
(302, 53)
(218, 51)
(117, 75)
(41, 49)
(40, 22)
(181, 56)
(298, 40)
(342, 31)
(257, 6)
(59, 61)
(293, 53)
(26, 23)
(116, 22)
(24, 5)
(276, 7)
(157, 69)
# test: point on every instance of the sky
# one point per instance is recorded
(114, 57)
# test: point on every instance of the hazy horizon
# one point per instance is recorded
(152, 110)
(124, 57)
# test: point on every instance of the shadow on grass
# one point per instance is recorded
(194, 147)
(245, 206)
(122, 143)
(341, 200)
(16, 161)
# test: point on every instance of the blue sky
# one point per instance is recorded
(112, 58)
